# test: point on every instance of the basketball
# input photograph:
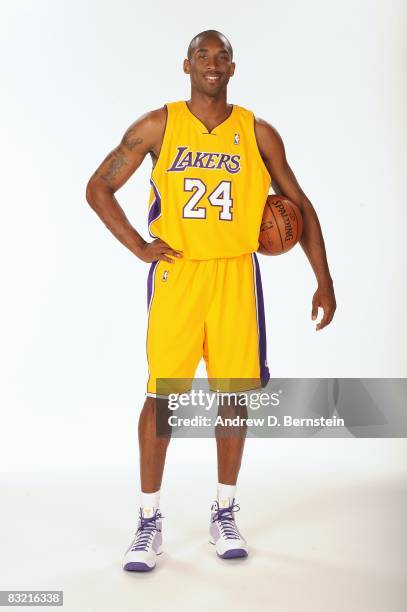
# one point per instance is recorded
(281, 226)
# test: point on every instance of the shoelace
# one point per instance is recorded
(146, 530)
(226, 521)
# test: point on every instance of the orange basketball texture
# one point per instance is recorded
(281, 226)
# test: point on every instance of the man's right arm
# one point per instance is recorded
(142, 137)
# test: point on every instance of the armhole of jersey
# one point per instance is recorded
(165, 138)
(256, 146)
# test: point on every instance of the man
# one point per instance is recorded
(213, 164)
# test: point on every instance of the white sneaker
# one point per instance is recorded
(146, 545)
(223, 532)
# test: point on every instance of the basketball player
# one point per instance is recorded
(213, 165)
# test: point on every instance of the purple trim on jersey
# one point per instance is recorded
(155, 208)
(150, 281)
(261, 323)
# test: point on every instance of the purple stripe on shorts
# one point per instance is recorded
(261, 322)
(150, 281)
(155, 208)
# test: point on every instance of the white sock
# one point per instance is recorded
(226, 494)
(149, 502)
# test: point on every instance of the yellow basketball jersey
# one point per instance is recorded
(208, 189)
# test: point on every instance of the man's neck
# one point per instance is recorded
(208, 106)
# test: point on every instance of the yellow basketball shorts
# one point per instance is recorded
(206, 308)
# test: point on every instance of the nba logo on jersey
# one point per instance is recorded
(165, 275)
(236, 139)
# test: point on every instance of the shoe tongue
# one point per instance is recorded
(148, 512)
(225, 502)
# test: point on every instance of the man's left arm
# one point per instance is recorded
(272, 150)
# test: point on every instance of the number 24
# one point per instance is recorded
(220, 196)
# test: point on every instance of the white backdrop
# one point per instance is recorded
(330, 76)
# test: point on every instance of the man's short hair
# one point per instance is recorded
(213, 33)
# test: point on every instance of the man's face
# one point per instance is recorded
(210, 66)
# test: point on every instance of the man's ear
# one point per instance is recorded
(233, 69)
(186, 66)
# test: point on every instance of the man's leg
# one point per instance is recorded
(176, 300)
(235, 350)
(235, 353)
(175, 332)
(223, 531)
(230, 442)
(154, 436)
(153, 447)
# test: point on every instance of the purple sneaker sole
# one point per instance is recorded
(136, 566)
(233, 554)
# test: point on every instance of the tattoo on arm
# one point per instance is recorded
(130, 140)
(117, 161)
